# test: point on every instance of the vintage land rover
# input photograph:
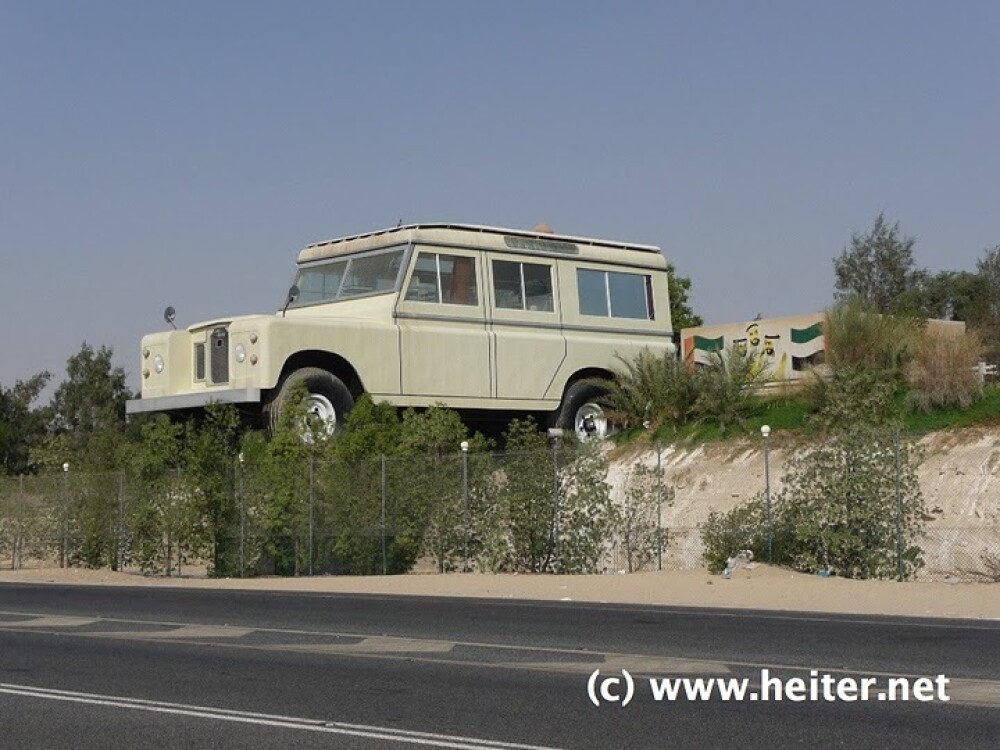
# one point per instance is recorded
(478, 318)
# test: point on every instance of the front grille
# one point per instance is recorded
(199, 361)
(220, 355)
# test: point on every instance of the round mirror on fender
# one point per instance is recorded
(168, 315)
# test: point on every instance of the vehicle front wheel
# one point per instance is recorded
(582, 412)
(325, 401)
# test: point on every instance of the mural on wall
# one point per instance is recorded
(786, 347)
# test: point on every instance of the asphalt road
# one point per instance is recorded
(110, 667)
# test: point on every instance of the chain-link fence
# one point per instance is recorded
(566, 509)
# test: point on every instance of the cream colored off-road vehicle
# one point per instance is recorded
(477, 318)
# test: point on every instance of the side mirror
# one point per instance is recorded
(293, 294)
(168, 315)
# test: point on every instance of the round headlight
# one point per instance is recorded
(241, 352)
(158, 363)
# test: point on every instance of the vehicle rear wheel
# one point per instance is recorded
(582, 412)
(326, 401)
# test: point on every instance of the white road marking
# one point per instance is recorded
(974, 692)
(429, 739)
(376, 645)
(186, 631)
(653, 666)
(51, 621)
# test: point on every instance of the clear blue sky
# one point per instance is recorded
(182, 153)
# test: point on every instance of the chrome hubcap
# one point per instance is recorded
(591, 423)
(321, 417)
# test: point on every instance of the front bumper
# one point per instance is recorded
(193, 400)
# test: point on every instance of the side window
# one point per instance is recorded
(522, 286)
(447, 279)
(615, 294)
(627, 292)
(592, 288)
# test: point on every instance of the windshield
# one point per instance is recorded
(376, 272)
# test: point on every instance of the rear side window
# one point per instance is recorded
(522, 286)
(445, 279)
(615, 294)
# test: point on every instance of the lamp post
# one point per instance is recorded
(243, 516)
(465, 492)
(64, 557)
(765, 432)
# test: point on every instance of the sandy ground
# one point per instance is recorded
(759, 588)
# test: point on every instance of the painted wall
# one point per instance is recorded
(788, 347)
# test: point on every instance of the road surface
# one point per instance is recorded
(94, 667)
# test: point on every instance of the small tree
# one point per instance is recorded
(584, 513)
(635, 518)
(988, 327)
(681, 314)
(847, 508)
(431, 439)
(526, 500)
(879, 268)
(211, 459)
(22, 427)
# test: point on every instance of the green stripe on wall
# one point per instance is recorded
(709, 345)
(805, 335)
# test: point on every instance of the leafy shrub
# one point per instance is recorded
(658, 389)
(839, 508)
(727, 386)
(725, 534)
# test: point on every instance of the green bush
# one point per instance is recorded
(725, 534)
(727, 387)
(660, 390)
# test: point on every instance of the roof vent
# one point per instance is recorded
(543, 229)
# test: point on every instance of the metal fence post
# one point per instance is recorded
(19, 543)
(659, 508)
(555, 496)
(120, 541)
(385, 561)
(312, 467)
(899, 510)
(465, 493)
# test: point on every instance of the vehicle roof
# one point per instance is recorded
(469, 235)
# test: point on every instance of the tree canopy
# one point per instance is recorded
(878, 267)
(22, 426)
(681, 313)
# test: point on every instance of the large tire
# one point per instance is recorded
(582, 412)
(328, 400)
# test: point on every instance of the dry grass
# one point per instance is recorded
(942, 372)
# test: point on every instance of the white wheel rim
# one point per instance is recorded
(321, 417)
(590, 422)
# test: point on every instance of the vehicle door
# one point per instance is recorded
(441, 313)
(525, 322)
